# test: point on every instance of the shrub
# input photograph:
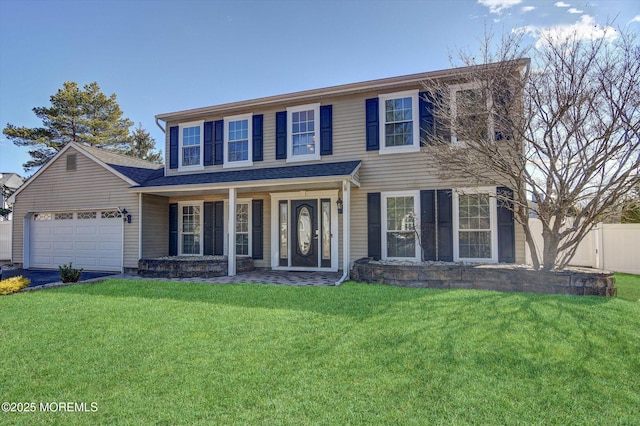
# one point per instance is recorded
(13, 285)
(69, 274)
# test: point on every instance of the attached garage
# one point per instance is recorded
(92, 240)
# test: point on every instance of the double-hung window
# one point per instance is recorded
(190, 148)
(475, 226)
(237, 136)
(242, 229)
(398, 225)
(190, 227)
(399, 127)
(470, 106)
(303, 133)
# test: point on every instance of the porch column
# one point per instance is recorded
(346, 228)
(231, 251)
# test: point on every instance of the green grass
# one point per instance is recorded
(180, 353)
(628, 286)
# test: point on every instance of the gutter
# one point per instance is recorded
(158, 124)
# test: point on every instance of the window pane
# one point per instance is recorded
(400, 213)
(326, 230)
(399, 134)
(302, 134)
(475, 244)
(191, 156)
(401, 244)
(242, 244)
(242, 218)
(284, 248)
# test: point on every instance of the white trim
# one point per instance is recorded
(181, 126)
(346, 230)
(249, 161)
(139, 226)
(276, 197)
(316, 129)
(416, 210)
(231, 220)
(181, 204)
(453, 90)
(493, 218)
(415, 117)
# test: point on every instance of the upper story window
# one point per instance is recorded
(190, 146)
(399, 127)
(238, 145)
(470, 108)
(303, 133)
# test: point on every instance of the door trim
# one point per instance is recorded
(276, 197)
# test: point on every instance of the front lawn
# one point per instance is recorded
(179, 353)
(628, 286)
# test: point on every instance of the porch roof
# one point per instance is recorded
(254, 177)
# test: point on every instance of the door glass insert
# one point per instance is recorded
(284, 232)
(304, 231)
(326, 230)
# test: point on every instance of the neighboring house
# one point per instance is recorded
(312, 180)
(9, 182)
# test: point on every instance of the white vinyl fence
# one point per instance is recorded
(5, 240)
(611, 246)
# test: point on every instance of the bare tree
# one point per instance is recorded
(561, 129)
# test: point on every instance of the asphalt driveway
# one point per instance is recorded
(40, 276)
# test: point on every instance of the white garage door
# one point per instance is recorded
(92, 240)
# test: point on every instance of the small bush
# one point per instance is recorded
(69, 274)
(13, 285)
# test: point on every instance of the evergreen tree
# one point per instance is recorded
(82, 115)
(142, 145)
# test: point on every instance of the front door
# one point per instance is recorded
(304, 233)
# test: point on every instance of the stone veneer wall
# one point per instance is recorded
(190, 267)
(486, 277)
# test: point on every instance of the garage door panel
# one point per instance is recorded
(92, 244)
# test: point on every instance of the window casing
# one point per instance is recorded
(470, 109)
(190, 227)
(190, 146)
(399, 122)
(243, 227)
(237, 141)
(475, 225)
(303, 133)
(399, 215)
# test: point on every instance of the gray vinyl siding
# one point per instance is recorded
(378, 173)
(89, 187)
(155, 226)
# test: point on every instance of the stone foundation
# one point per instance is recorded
(190, 267)
(511, 278)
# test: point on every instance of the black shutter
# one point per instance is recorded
(374, 225)
(256, 229)
(373, 127)
(173, 147)
(281, 135)
(428, 223)
(208, 143)
(173, 229)
(502, 98)
(218, 142)
(208, 229)
(445, 226)
(326, 130)
(218, 228)
(426, 117)
(506, 227)
(257, 137)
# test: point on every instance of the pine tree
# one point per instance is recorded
(82, 115)
(142, 145)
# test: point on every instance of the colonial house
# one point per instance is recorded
(311, 181)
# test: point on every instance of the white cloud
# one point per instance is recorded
(561, 4)
(497, 6)
(585, 28)
(526, 9)
(574, 10)
(635, 19)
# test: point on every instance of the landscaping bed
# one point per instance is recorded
(500, 277)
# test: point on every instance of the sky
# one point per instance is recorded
(160, 56)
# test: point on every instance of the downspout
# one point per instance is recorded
(346, 231)
(158, 124)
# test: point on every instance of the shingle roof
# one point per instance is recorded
(138, 174)
(343, 168)
(111, 158)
